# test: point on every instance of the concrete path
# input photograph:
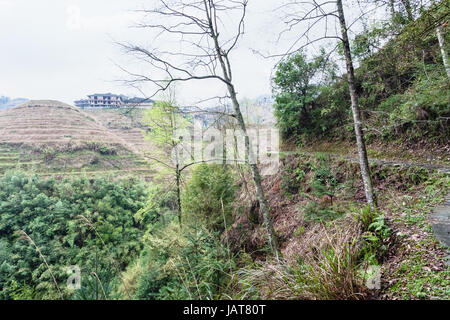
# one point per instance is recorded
(440, 221)
(440, 217)
(393, 163)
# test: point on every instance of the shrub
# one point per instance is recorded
(101, 148)
(191, 264)
(324, 181)
(49, 211)
(49, 153)
(208, 197)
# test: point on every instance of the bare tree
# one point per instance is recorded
(438, 19)
(325, 21)
(207, 32)
(363, 160)
(162, 122)
(442, 46)
(441, 39)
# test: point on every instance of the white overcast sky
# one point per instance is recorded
(47, 53)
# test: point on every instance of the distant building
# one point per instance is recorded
(139, 102)
(110, 100)
(82, 103)
(107, 100)
(7, 103)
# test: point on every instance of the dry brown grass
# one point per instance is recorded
(322, 264)
(320, 260)
(128, 128)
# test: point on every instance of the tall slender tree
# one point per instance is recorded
(440, 26)
(316, 19)
(206, 45)
(162, 123)
(363, 160)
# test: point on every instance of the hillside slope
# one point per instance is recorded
(53, 138)
(125, 124)
(330, 241)
(48, 121)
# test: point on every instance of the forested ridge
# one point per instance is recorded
(337, 220)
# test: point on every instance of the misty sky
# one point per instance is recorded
(48, 53)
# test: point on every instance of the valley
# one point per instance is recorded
(290, 153)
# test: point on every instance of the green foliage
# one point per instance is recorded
(323, 180)
(24, 292)
(401, 84)
(49, 212)
(291, 179)
(160, 208)
(296, 87)
(317, 212)
(293, 175)
(191, 264)
(366, 43)
(421, 106)
(91, 287)
(208, 196)
(101, 148)
(375, 238)
(162, 122)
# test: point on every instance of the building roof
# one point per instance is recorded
(139, 100)
(105, 95)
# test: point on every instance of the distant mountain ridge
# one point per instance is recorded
(7, 102)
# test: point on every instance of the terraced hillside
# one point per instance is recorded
(55, 139)
(125, 124)
(50, 122)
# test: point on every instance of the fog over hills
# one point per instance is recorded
(7, 102)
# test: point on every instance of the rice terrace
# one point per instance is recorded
(55, 139)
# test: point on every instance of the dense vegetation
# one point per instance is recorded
(191, 263)
(104, 227)
(198, 231)
(402, 86)
(126, 238)
(83, 222)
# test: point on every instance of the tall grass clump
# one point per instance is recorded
(326, 267)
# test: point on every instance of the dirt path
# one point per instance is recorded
(393, 163)
(440, 217)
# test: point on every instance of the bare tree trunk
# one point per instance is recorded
(392, 7)
(203, 31)
(408, 9)
(363, 160)
(227, 74)
(273, 241)
(178, 182)
(440, 37)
